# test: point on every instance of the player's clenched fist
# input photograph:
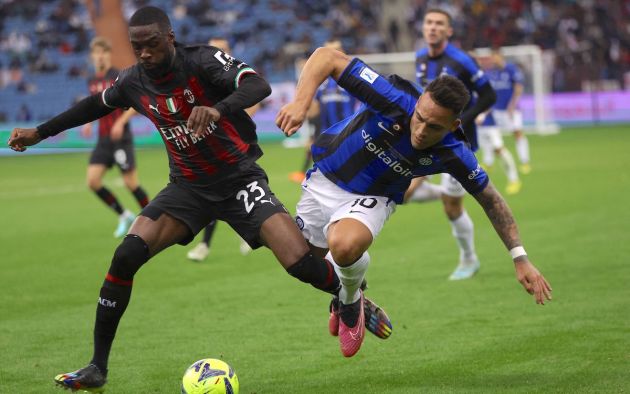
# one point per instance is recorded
(21, 138)
(200, 117)
(290, 118)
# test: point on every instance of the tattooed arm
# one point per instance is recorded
(503, 221)
(500, 215)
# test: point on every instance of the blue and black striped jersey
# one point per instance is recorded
(453, 61)
(370, 153)
(335, 104)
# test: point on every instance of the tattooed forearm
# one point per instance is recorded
(500, 215)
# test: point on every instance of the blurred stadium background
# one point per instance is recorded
(482, 335)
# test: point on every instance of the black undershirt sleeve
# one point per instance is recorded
(85, 111)
(486, 99)
(251, 90)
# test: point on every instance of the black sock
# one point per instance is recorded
(109, 199)
(208, 232)
(115, 294)
(318, 272)
(141, 197)
(112, 302)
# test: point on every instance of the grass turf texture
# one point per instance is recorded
(481, 335)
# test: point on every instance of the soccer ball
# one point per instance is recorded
(210, 376)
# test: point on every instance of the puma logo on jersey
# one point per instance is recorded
(268, 201)
(155, 108)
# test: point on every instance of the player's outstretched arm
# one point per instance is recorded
(323, 63)
(86, 110)
(503, 221)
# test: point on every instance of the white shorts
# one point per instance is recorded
(451, 186)
(323, 203)
(490, 136)
(508, 123)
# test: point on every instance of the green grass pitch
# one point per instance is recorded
(481, 335)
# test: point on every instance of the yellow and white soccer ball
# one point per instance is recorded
(210, 376)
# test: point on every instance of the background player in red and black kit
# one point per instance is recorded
(115, 141)
(195, 96)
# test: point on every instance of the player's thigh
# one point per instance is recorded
(183, 205)
(257, 215)
(159, 233)
(494, 137)
(95, 174)
(130, 178)
(452, 196)
(517, 121)
(369, 211)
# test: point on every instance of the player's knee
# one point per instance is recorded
(130, 255)
(94, 183)
(346, 250)
(453, 208)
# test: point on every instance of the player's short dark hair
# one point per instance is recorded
(440, 11)
(449, 92)
(150, 15)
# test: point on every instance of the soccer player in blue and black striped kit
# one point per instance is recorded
(364, 164)
(439, 57)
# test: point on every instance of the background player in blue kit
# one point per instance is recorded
(507, 80)
(440, 57)
(364, 164)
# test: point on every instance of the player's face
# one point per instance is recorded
(436, 29)
(154, 49)
(430, 123)
(101, 59)
(223, 45)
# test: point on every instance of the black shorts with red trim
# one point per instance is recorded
(245, 211)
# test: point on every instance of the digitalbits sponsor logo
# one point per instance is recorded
(475, 172)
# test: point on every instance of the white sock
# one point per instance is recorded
(464, 233)
(350, 277)
(427, 191)
(508, 165)
(522, 149)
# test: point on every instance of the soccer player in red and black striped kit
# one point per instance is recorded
(115, 142)
(195, 96)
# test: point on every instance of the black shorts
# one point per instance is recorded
(245, 211)
(120, 152)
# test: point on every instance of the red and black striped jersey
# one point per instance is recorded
(98, 84)
(201, 76)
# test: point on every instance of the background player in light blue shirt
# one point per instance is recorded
(364, 164)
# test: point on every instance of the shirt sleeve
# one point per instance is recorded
(477, 77)
(379, 94)
(115, 96)
(223, 70)
(462, 164)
